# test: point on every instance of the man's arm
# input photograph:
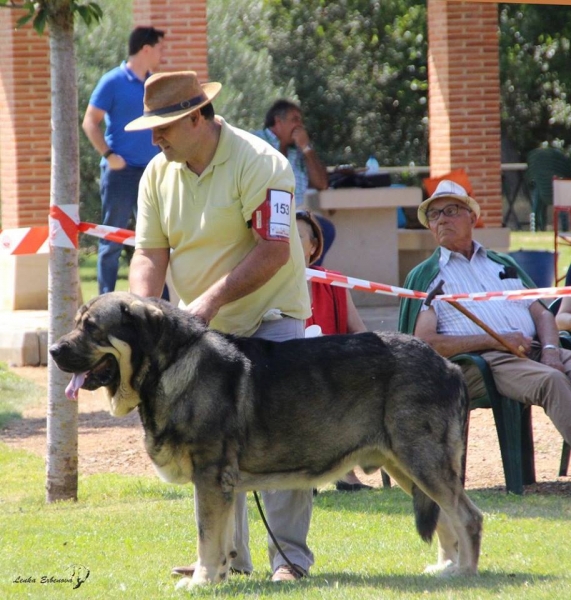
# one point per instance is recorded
(148, 271)
(449, 345)
(563, 316)
(547, 334)
(316, 172)
(354, 322)
(256, 269)
(92, 127)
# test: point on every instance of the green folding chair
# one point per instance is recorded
(513, 426)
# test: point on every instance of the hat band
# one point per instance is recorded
(176, 107)
(444, 194)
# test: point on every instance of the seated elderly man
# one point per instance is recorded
(543, 377)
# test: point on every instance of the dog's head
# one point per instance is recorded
(113, 337)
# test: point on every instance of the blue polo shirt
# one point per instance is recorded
(120, 94)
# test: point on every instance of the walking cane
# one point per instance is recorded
(439, 289)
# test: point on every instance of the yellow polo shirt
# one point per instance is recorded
(204, 220)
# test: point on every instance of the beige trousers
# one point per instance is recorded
(531, 382)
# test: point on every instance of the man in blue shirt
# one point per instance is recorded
(117, 100)
(285, 131)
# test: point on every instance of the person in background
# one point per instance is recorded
(285, 131)
(118, 99)
(216, 205)
(563, 316)
(332, 308)
(543, 377)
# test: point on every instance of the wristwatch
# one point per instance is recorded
(108, 153)
(550, 347)
(307, 149)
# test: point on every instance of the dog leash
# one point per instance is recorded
(294, 568)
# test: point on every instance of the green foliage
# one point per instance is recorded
(360, 73)
(42, 11)
(535, 53)
(238, 58)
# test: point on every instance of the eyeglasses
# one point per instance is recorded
(302, 214)
(448, 211)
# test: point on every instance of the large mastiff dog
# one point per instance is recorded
(213, 405)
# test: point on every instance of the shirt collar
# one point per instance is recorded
(446, 254)
(130, 74)
(222, 153)
(272, 138)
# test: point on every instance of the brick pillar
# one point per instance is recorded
(25, 155)
(464, 98)
(184, 23)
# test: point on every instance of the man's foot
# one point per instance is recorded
(286, 573)
(343, 486)
(189, 571)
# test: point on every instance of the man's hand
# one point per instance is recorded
(300, 137)
(203, 308)
(552, 358)
(518, 340)
(116, 162)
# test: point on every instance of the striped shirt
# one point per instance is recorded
(479, 274)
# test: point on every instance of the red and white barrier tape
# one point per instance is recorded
(65, 225)
(24, 240)
(361, 284)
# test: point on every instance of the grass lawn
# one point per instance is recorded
(88, 274)
(130, 531)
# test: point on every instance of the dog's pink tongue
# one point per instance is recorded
(74, 385)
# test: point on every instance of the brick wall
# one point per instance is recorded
(464, 98)
(25, 132)
(185, 25)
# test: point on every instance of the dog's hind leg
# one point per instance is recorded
(459, 533)
(447, 545)
(466, 520)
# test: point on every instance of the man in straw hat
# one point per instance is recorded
(543, 378)
(217, 206)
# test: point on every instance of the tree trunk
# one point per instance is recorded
(61, 465)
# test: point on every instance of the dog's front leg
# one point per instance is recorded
(215, 523)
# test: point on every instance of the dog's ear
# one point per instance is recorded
(147, 313)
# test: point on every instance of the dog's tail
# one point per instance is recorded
(426, 513)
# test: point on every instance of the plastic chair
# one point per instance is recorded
(543, 164)
(565, 341)
(513, 425)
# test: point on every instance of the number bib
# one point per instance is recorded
(272, 219)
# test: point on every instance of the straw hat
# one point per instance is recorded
(172, 96)
(448, 189)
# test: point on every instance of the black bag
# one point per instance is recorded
(349, 178)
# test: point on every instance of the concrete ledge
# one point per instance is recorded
(24, 337)
(20, 349)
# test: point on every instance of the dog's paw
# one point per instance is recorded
(197, 580)
(449, 569)
(187, 583)
(438, 568)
